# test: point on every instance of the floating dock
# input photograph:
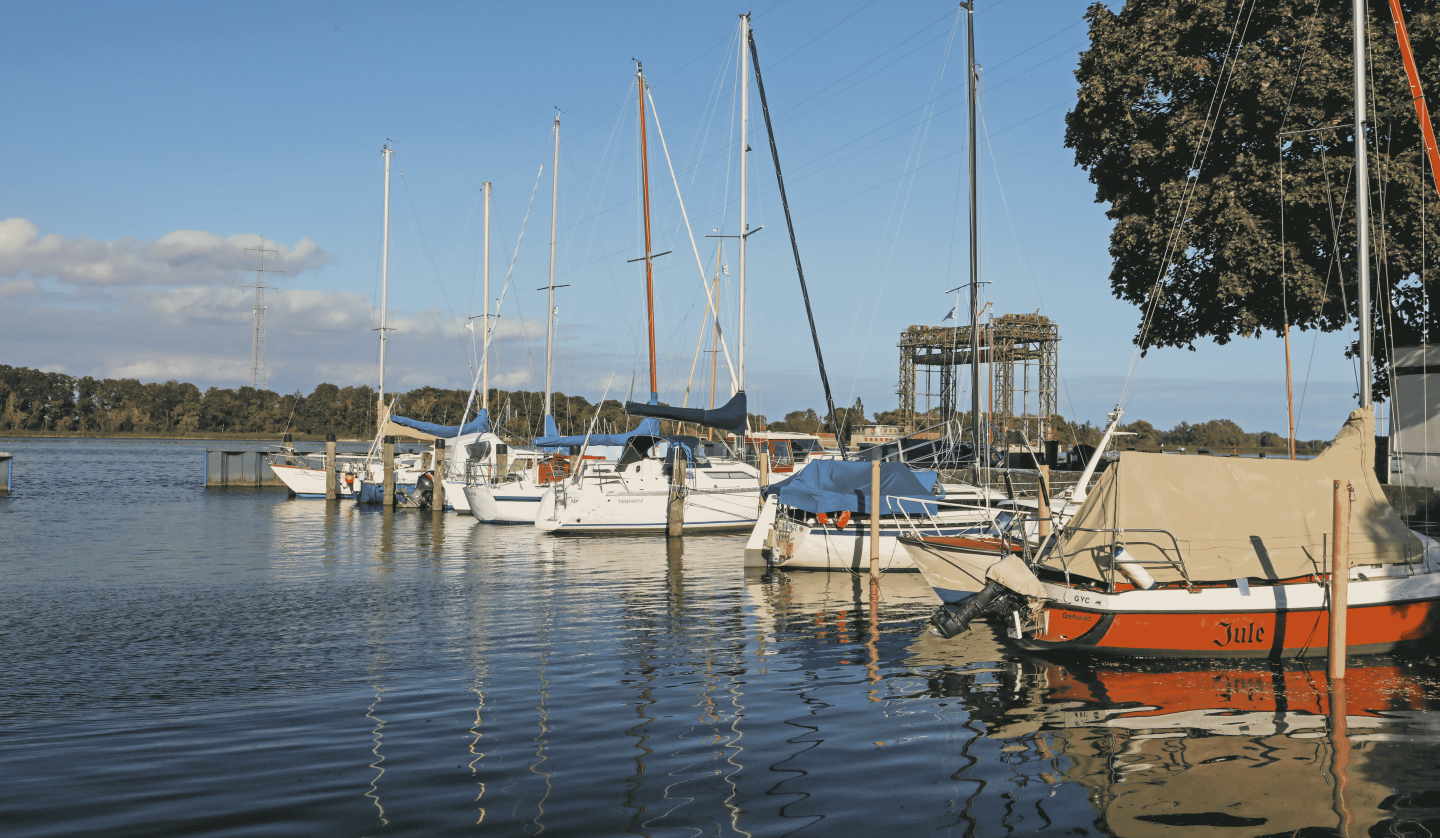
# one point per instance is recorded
(238, 468)
(7, 463)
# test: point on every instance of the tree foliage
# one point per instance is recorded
(1179, 117)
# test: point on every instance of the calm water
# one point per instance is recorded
(180, 661)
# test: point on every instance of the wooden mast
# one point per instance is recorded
(649, 262)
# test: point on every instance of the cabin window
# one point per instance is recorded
(781, 450)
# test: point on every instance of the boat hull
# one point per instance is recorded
(1280, 621)
(795, 545)
(600, 512)
(511, 505)
(308, 483)
(955, 567)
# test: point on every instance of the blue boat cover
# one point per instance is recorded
(729, 417)
(479, 425)
(839, 485)
(552, 438)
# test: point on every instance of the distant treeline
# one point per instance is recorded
(1215, 434)
(32, 400)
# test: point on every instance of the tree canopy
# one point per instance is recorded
(1179, 121)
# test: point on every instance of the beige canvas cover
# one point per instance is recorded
(1237, 517)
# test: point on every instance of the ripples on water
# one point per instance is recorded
(180, 661)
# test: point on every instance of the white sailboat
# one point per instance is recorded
(411, 472)
(508, 490)
(667, 483)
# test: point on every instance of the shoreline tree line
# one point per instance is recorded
(51, 402)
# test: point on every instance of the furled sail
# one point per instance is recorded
(730, 417)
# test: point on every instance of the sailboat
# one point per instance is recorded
(507, 487)
(1196, 556)
(666, 483)
(414, 473)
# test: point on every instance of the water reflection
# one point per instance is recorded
(420, 676)
(1212, 747)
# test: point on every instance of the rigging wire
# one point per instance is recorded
(1210, 127)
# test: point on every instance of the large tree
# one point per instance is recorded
(1182, 105)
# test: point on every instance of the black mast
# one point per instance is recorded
(780, 178)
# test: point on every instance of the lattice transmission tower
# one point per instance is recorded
(259, 377)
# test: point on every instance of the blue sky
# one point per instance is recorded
(149, 144)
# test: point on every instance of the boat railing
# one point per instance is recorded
(1177, 563)
(924, 519)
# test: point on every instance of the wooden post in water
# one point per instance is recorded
(1042, 499)
(675, 510)
(437, 495)
(1339, 584)
(874, 518)
(387, 456)
(332, 476)
(764, 467)
(287, 442)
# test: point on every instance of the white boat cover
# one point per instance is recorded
(1237, 517)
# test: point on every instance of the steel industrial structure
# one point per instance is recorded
(1008, 341)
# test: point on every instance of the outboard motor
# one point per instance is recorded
(950, 620)
(424, 489)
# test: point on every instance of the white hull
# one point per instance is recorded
(308, 482)
(953, 574)
(796, 545)
(507, 503)
(725, 496)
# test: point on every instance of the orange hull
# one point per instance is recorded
(1247, 634)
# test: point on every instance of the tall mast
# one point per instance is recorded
(550, 315)
(649, 272)
(976, 422)
(795, 248)
(744, 184)
(384, 270)
(485, 310)
(1362, 204)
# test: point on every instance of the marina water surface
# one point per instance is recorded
(180, 661)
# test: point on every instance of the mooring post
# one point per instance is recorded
(675, 511)
(387, 455)
(1042, 499)
(1339, 585)
(874, 518)
(764, 467)
(332, 473)
(502, 462)
(437, 495)
(288, 442)
(574, 461)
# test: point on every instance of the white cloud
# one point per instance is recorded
(176, 258)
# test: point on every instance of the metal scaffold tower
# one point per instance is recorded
(1029, 342)
(259, 377)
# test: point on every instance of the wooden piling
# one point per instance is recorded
(437, 496)
(332, 475)
(764, 467)
(675, 509)
(387, 456)
(874, 518)
(288, 442)
(1339, 583)
(1043, 502)
(502, 462)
